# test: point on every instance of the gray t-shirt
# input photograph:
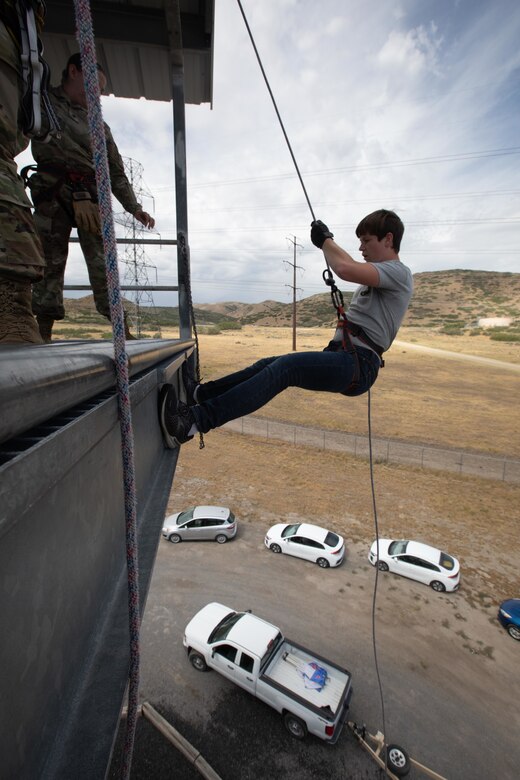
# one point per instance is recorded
(380, 310)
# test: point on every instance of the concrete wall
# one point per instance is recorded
(383, 450)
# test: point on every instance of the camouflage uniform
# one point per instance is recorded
(21, 256)
(64, 166)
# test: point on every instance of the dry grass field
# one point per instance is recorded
(420, 397)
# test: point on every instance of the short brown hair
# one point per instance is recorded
(75, 59)
(381, 222)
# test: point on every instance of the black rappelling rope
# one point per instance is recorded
(336, 295)
(337, 300)
(276, 109)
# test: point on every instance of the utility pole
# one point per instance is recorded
(294, 288)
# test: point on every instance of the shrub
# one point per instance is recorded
(229, 325)
(453, 329)
(505, 336)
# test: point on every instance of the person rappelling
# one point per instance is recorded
(349, 364)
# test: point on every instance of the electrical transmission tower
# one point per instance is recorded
(293, 287)
(144, 314)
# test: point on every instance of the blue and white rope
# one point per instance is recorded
(85, 36)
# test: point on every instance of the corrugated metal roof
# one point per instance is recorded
(136, 42)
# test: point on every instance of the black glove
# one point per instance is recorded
(319, 233)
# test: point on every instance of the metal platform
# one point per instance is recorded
(63, 582)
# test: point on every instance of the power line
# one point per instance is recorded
(348, 226)
(413, 161)
(375, 199)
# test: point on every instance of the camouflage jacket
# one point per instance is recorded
(71, 151)
(9, 16)
(12, 139)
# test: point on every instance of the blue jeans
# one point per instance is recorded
(243, 392)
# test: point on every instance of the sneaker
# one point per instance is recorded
(190, 383)
(175, 418)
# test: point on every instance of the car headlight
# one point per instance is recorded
(505, 614)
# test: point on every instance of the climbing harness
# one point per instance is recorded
(85, 36)
(84, 213)
(35, 74)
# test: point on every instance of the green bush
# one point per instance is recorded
(452, 329)
(230, 325)
(505, 336)
(210, 330)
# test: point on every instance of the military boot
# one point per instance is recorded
(17, 322)
(45, 324)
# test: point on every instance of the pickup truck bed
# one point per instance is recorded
(283, 671)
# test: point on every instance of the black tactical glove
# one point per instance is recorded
(319, 233)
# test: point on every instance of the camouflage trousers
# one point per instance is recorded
(21, 254)
(54, 222)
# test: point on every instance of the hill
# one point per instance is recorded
(461, 298)
(447, 300)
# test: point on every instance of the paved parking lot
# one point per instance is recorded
(452, 707)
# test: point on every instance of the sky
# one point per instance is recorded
(411, 105)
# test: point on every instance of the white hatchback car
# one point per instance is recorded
(201, 522)
(418, 562)
(306, 541)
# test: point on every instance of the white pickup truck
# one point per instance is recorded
(311, 693)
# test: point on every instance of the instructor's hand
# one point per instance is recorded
(145, 219)
(320, 233)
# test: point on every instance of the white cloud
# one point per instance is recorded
(381, 103)
(415, 51)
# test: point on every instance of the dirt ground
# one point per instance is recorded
(473, 519)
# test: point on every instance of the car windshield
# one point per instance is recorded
(221, 631)
(397, 548)
(290, 530)
(186, 515)
(231, 518)
(331, 539)
(446, 561)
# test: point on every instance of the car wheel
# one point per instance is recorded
(221, 539)
(323, 562)
(382, 566)
(275, 548)
(397, 760)
(174, 538)
(295, 726)
(438, 586)
(514, 631)
(198, 662)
